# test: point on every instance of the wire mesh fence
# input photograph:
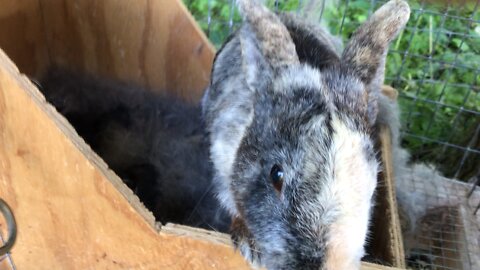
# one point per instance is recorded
(442, 235)
(438, 228)
(435, 66)
(6, 261)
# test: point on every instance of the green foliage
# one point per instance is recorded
(222, 12)
(224, 18)
(433, 63)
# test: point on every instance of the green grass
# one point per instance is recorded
(441, 66)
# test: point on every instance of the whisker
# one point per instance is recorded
(198, 202)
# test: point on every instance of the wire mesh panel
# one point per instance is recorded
(435, 65)
(6, 261)
(439, 89)
(439, 231)
(440, 235)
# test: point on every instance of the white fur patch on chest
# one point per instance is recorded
(351, 188)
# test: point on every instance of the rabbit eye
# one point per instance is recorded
(276, 176)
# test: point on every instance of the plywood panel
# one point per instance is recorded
(391, 232)
(395, 243)
(385, 241)
(371, 266)
(155, 43)
(22, 35)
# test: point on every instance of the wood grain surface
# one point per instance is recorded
(22, 35)
(387, 234)
(154, 43)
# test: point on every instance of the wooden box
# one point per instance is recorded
(73, 212)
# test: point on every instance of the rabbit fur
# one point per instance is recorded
(282, 96)
(156, 144)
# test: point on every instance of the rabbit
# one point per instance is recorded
(291, 124)
(156, 144)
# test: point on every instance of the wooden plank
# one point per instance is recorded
(153, 43)
(385, 240)
(393, 231)
(224, 239)
(371, 266)
(22, 35)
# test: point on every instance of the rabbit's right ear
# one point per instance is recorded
(365, 54)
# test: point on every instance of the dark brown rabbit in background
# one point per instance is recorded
(292, 126)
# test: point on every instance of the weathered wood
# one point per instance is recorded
(371, 266)
(153, 43)
(22, 35)
(385, 240)
(395, 231)
(392, 232)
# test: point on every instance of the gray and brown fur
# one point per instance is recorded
(156, 144)
(277, 44)
(315, 117)
(361, 56)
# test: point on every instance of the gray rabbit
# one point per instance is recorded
(291, 124)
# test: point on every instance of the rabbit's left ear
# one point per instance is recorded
(364, 56)
(273, 37)
(257, 71)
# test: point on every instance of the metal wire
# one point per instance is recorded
(418, 15)
(6, 259)
(444, 88)
(343, 17)
(422, 81)
(12, 227)
(441, 232)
